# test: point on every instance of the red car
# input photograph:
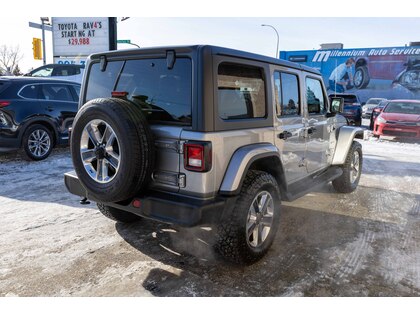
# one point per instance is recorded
(399, 118)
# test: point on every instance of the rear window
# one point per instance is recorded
(350, 99)
(163, 94)
(101, 84)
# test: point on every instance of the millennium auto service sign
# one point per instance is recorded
(80, 36)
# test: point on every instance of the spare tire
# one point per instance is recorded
(112, 149)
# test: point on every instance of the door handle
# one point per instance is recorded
(50, 108)
(285, 134)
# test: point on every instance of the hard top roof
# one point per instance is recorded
(214, 49)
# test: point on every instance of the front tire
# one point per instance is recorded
(117, 214)
(37, 142)
(352, 169)
(247, 231)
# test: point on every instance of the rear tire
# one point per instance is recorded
(37, 142)
(247, 231)
(352, 169)
(117, 214)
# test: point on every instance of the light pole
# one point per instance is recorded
(44, 20)
(277, 51)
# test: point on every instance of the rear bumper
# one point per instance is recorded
(164, 207)
(385, 129)
(352, 118)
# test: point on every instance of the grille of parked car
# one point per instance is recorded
(404, 123)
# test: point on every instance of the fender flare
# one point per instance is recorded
(346, 134)
(239, 165)
(36, 119)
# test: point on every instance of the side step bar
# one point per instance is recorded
(306, 185)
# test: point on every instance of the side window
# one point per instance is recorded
(63, 71)
(30, 91)
(315, 96)
(241, 92)
(56, 92)
(286, 94)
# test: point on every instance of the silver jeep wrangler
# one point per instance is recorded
(207, 135)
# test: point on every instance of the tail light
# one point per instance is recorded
(197, 156)
(4, 103)
(119, 94)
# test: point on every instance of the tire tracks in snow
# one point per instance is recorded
(355, 255)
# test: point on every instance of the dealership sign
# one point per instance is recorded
(324, 55)
(378, 72)
(82, 36)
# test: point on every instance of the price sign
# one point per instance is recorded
(80, 36)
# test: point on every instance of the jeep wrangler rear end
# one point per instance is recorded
(203, 134)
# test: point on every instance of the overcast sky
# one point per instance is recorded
(239, 33)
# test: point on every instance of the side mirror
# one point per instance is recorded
(363, 103)
(337, 104)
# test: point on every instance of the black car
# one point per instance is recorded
(36, 114)
(352, 108)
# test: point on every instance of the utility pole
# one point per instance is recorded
(44, 27)
(277, 33)
(43, 20)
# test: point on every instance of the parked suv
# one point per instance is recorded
(352, 108)
(207, 135)
(36, 114)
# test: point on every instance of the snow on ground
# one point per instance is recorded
(359, 244)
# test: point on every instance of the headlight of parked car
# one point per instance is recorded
(380, 120)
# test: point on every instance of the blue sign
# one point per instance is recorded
(387, 72)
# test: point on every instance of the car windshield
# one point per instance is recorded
(403, 108)
(45, 72)
(373, 101)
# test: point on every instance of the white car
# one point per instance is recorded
(59, 71)
(369, 106)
